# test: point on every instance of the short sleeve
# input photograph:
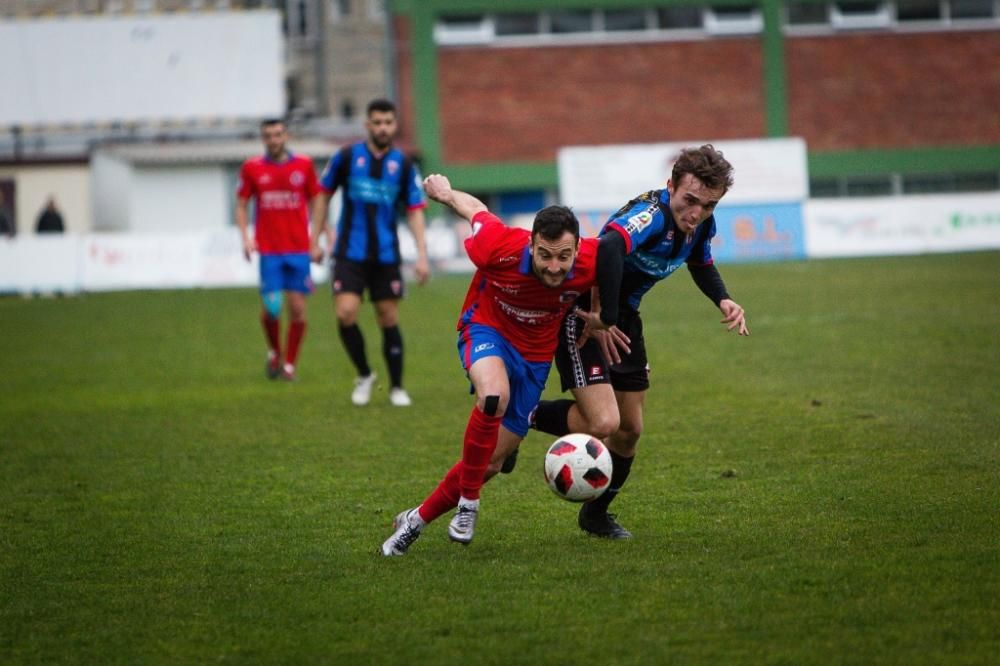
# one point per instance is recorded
(488, 233)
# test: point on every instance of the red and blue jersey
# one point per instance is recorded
(656, 247)
(507, 295)
(282, 191)
(375, 190)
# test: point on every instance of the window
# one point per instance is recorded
(679, 18)
(733, 20)
(868, 186)
(808, 13)
(463, 29)
(971, 9)
(859, 14)
(624, 19)
(521, 23)
(918, 10)
(824, 187)
(567, 21)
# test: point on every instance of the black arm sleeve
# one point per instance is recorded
(611, 253)
(710, 282)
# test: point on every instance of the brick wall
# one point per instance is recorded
(883, 90)
(873, 90)
(522, 104)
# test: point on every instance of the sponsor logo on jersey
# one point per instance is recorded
(482, 347)
(533, 317)
(297, 178)
(392, 166)
(596, 372)
(638, 222)
(360, 162)
(507, 288)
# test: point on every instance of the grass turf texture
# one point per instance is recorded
(825, 491)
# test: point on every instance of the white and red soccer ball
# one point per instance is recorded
(578, 467)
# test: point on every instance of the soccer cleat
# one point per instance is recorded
(273, 367)
(288, 372)
(403, 536)
(602, 524)
(399, 397)
(509, 462)
(463, 525)
(362, 394)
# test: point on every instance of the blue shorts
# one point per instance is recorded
(526, 379)
(285, 272)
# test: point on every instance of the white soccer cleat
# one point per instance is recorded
(463, 525)
(399, 397)
(405, 534)
(362, 394)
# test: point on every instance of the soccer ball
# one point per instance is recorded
(578, 467)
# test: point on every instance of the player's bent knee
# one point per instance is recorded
(272, 303)
(491, 405)
(603, 425)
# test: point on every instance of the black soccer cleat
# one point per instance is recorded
(601, 524)
(509, 462)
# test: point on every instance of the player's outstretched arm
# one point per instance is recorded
(439, 189)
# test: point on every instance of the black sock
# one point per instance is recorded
(354, 343)
(392, 349)
(552, 416)
(620, 472)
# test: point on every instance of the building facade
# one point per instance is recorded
(891, 96)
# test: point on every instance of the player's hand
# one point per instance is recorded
(733, 317)
(422, 270)
(611, 339)
(438, 188)
(317, 253)
(249, 247)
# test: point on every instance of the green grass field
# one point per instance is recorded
(825, 491)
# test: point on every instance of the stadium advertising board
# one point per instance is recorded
(902, 225)
(760, 218)
(107, 69)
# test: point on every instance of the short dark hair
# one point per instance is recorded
(706, 164)
(381, 105)
(552, 222)
(271, 121)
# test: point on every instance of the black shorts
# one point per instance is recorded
(383, 281)
(585, 366)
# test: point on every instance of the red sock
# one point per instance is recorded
(480, 441)
(445, 496)
(296, 330)
(272, 329)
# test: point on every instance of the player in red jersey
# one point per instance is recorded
(282, 185)
(508, 331)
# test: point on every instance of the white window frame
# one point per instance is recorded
(721, 24)
(465, 34)
(882, 17)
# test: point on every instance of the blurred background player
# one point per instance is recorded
(282, 185)
(649, 238)
(377, 180)
(525, 282)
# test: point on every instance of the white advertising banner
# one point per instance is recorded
(40, 264)
(902, 225)
(605, 177)
(164, 261)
